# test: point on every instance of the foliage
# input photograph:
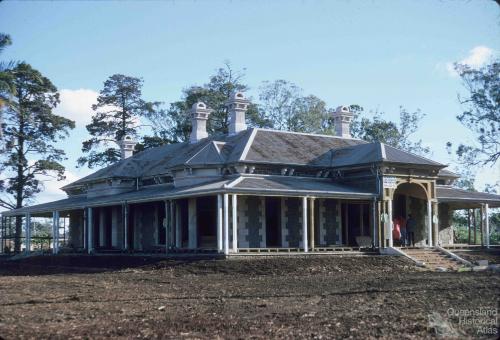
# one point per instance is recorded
(460, 226)
(174, 123)
(284, 107)
(117, 113)
(7, 89)
(481, 114)
(41, 234)
(376, 128)
(31, 132)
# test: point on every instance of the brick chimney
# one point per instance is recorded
(237, 106)
(199, 117)
(127, 145)
(342, 118)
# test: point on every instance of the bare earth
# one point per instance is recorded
(280, 297)
(492, 256)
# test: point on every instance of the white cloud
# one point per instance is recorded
(77, 105)
(52, 188)
(478, 56)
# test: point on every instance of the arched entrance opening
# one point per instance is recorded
(411, 199)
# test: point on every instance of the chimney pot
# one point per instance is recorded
(127, 145)
(342, 118)
(237, 105)
(199, 117)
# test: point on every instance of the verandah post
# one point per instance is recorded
(27, 233)
(235, 222)
(474, 224)
(304, 224)
(311, 221)
(429, 223)
(125, 225)
(55, 232)
(166, 225)
(374, 222)
(90, 231)
(389, 212)
(487, 224)
(219, 223)
(226, 224)
(468, 224)
(481, 225)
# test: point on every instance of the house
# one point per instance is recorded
(255, 189)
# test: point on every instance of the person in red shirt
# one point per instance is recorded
(403, 231)
(396, 229)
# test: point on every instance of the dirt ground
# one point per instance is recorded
(492, 256)
(280, 297)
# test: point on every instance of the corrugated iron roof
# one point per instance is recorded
(257, 146)
(145, 194)
(299, 186)
(454, 195)
(269, 184)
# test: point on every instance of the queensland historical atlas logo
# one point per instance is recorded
(483, 321)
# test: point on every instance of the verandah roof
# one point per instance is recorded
(463, 199)
(267, 185)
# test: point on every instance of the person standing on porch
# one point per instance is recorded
(410, 230)
(396, 231)
(404, 232)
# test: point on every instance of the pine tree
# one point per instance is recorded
(117, 113)
(31, 132)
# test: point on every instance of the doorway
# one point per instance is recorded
(273, 221)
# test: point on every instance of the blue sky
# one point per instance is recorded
(378, 54)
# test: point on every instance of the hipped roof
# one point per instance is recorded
(258, 146)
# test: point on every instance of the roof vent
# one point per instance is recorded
(342, 118)
(237, 105)
(199, 117)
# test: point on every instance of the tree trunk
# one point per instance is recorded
(20, 179)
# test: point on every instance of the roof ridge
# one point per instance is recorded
(415, 155)
(309, 134)
(248, 144)
(211, 142)
(383, 156)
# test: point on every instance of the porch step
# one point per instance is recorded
(433, 258)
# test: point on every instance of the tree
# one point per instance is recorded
(31, 132)
(6, 84)
(173, 125)
(481, 114)
(283, 107)
(378, 129)
(117, 113)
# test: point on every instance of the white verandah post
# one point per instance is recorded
(389, 225)
(487, 224)
(90, 230)
(85, 228)
(226, 224)
(219, 223)
(55, 232)
(374, 222)
(125, 225)
(304, 224)
(166, 225)
(27, 233)
(429, 222)
(235, 222)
